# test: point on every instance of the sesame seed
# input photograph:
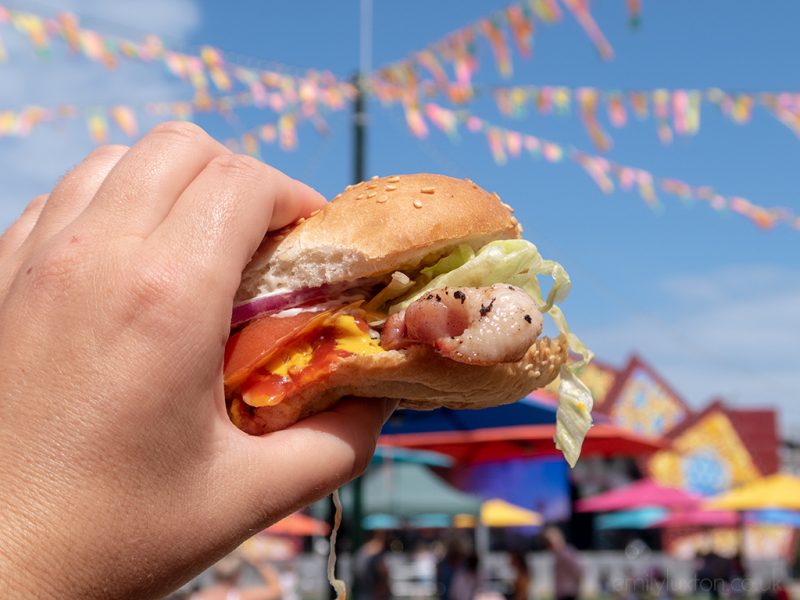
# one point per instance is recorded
(372, 186)
(371, 194)
(537, 373)
(391, 188)
(314, 212)
(508, 207)
(428, 190)
(300, 220)
(496, 195)
(468, 180)
(374, 177)
(393, 179)
(514, 220)
(381, 200)
(360, 197)
(417, 203)
(348, 188)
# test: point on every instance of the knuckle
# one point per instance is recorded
(59, 269)
(108, 152)
(183, 131)
(153, 287)
(156, 300)
(237, 166)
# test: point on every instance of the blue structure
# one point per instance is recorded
(527, 411)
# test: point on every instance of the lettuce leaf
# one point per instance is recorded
(518, 262)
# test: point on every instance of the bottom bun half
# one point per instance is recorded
(418, 377)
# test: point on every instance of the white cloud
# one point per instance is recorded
(31, 165)
(734, 332)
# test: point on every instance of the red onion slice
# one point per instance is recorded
(279, 301)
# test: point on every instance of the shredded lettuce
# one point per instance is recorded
(447, 263)
(574, 414)
(518, 262)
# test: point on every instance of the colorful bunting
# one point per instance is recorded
(520, 21)
(504, 143)
(458, 49)
(676, 111)
(22, 122)
(547, 10)
(210, 67)
(582, 14)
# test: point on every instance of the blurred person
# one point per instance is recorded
(521, 583)
(466, 580)
(371, 568)
(227, 585)
(736, 576)
(712, 573)
(121, 474)
(446, 568)
(567, 569)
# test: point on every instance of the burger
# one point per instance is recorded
(414, 287)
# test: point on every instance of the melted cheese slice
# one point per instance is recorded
(305, 361)
(350, 337)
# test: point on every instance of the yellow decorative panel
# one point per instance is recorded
(645, 407)
(708, 458)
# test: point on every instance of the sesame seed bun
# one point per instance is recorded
(376, 227)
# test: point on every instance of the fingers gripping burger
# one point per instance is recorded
(415, 287)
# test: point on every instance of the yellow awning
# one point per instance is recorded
(499, 513)
(774, 491)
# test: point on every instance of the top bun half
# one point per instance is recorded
(377, 227)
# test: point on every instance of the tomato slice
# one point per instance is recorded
(255, 344)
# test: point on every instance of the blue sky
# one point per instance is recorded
(707, 298)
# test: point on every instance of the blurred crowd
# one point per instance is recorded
(458, 573)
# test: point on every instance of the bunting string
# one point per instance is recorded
(458, 50)
(283, 132)
(674, 111)
(504, 143)
(22, 122)
(207, 71)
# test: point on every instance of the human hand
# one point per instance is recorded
(120, 472)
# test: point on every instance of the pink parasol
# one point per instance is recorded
(645, 492)
(298, 524)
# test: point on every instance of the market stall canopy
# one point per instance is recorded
(774, 491)
(298, 524)
(639, 494)
(523, 441)
(391, 454)
(774, 517)
(408, 490)
(499, 513)
(640, 518)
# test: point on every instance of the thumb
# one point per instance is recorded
(280, 472)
